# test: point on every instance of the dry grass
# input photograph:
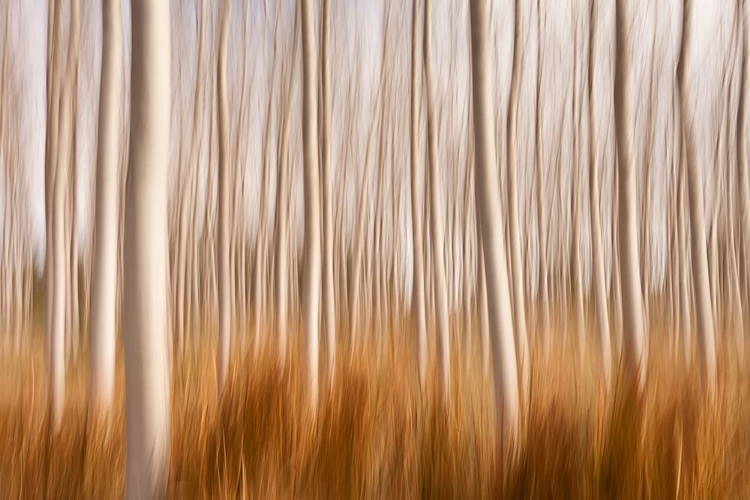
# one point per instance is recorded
(375, 436)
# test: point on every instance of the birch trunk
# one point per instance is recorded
(698, 252)
(634, 338)
(519, 303)
(104, 289)
(53, 325)
(311, 279)
(329, 304)
(743, 130)
(146, 339)
(223, 216)
(488, 203)
(436, 214)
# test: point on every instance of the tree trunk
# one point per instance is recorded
(329, 298)
(519, 302)
(146, 339)
(488, 204)
(53, 328)
(311, 273)
(436, 213)
(597, 248)
(698, 252)
(104, 289)
(223, 251)
(744, 165)
(634, 337)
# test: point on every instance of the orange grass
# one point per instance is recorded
(377, 436)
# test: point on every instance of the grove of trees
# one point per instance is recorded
(305, 175)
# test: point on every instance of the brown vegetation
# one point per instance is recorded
(376, 437)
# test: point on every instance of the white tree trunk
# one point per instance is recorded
(418, 296)
(311, 279)
(436, 214)
(743, 129)
(519, 302)
(325, 140)
(489, 212)
(223, 250)
(634, 338)
(597, 248)
(698, 252)
(146, 338)
(104, 289)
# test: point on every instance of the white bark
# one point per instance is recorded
(223, 250)
(743, 129)
(104, 286)
(53, 322)
(418, 295)
(488, 203)
(634, 338)
(597, 248)
(311, 279)
(436, 214)
(698, 252)
(146, 338)
(519, 302)
(329, 298)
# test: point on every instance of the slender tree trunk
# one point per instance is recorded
(104, 290)
(634, 337)
(311, 279)
(329, 304)
(743, 130)
(223, 250)
(597, 248)
(698, 252)
(488, 203)
(61, 259)
(147, 374)
(519, 303)
(54, 327)
(437, 213)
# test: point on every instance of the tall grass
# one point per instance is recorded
(376, 435)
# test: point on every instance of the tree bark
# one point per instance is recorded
(634, 337)
(54, 323)
(223, 250)
(104, 289)
(329, 304)
(488, 204)
(519, 302)
(698, 252)
(311, 279)
(743, 130)
(599, 280)
(146, 339)
(436, 214)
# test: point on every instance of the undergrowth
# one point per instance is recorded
(375, 434)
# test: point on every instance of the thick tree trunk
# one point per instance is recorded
(311, 279)
(634, 337)
(104, 289)
(488, 203)
(146, 338)
(223, 250)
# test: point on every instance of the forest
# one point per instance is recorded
(374, 249)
